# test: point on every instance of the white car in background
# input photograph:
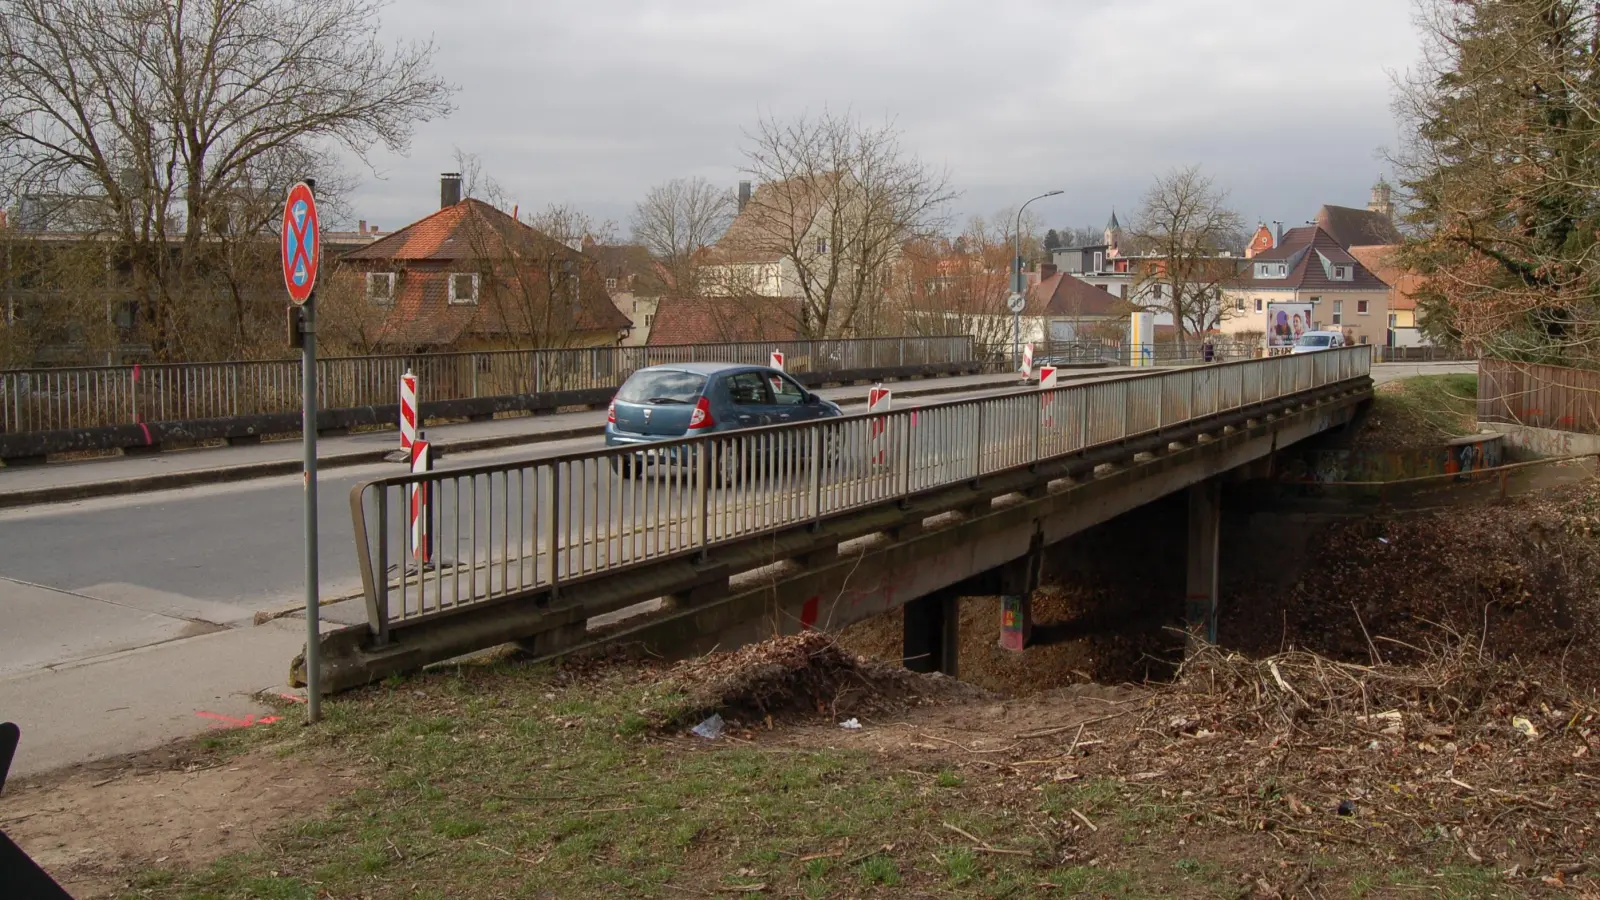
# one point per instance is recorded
(1312, 341)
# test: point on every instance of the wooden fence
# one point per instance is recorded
(1552, 397)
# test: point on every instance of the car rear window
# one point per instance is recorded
(656, 386)
(1315, 340)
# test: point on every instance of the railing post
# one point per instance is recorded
(552, 529)
(472, 360)
(379, 613)
(977, 445)
(703, 501)
(815, 460)
(902, 351)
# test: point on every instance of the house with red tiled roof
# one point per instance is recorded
(1068, 308)
(718, 320)
(1383, 260)
(471, 277)
(1308, 282)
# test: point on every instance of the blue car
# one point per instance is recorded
(676, 400)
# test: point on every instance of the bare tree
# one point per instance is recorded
(955, 286)
(836, 201)
(678, 221)
(1184, 223)
(181, 122)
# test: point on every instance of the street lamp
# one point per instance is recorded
(1018, 296)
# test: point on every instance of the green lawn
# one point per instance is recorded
(1423, 410)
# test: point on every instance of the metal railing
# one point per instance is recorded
(493, 531)
(50, 399)
(1541, 396)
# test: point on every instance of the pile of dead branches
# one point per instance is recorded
(802, 676)
(1458, 758)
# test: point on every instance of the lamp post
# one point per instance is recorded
(1017, 285)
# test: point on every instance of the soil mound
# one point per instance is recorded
(804, 676)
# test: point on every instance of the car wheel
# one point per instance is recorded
(622, 465)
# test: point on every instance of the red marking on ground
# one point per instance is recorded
(808, 613)
(231, 722)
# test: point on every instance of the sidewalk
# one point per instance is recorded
(140, 699)
(60, 482)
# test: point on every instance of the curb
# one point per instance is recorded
(250, 471)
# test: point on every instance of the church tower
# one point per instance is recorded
(1113, 235)
(1382, 201)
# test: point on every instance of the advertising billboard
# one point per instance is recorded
(1286, 322)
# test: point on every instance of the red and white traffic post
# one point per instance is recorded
(408, 410)
(1027, 361)
(1047, 401)
(421, 500)
(300, 246)
(776, 360)
(878, 399)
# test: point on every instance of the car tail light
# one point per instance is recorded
(702, 416)
(611, 413)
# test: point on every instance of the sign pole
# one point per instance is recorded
(302, 256)
(308, 357)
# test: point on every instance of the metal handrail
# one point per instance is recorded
(497, 530)
(48, 399)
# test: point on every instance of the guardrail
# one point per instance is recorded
(1541, 396)
(492, 532)
(99, 396)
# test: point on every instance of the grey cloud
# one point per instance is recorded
(592, 102)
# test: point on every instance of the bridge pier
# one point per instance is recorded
(1018, 580)
(1205, 532)
(933, 633)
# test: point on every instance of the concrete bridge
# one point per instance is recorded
(815, 525)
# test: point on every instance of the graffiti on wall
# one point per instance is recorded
(1471, 454)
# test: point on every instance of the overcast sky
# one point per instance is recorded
(590, 102)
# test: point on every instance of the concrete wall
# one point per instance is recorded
(1467, 454)
(1526, 442)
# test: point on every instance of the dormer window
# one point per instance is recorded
(1341, 273)
(611, 284)
(380, 288)
(1283, 271)
(463, 287)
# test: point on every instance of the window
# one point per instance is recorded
(611, 284)
(1238, 305)
(1338, 315)
(1099, 260)
(749, 389)
(1363, 339)
(784, 391)
(662, 386)
(1258, 304)
(1361, 307)
(1282, 271)
(463, 287)
(1158, 292)
(380, 288)
(822, 246)
(649, 320)
(1338, 273)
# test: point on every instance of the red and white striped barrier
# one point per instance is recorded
(421, 533)
(776, 361)
(1027, 361)
(1047, 402)
(878, 399)
(408, 410)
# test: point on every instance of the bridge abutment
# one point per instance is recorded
(1205, 533)
(933, 633)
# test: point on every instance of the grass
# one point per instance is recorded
(524, 782)
(1425, 409)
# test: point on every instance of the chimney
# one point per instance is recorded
(1047, 271)
(374, 229)
(449, 189)
(744, 195)
(361, 227)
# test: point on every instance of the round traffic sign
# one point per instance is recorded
(1016, 302)
(301, 243)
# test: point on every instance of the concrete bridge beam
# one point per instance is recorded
(1205, 532)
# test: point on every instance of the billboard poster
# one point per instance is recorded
(1286, 322)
